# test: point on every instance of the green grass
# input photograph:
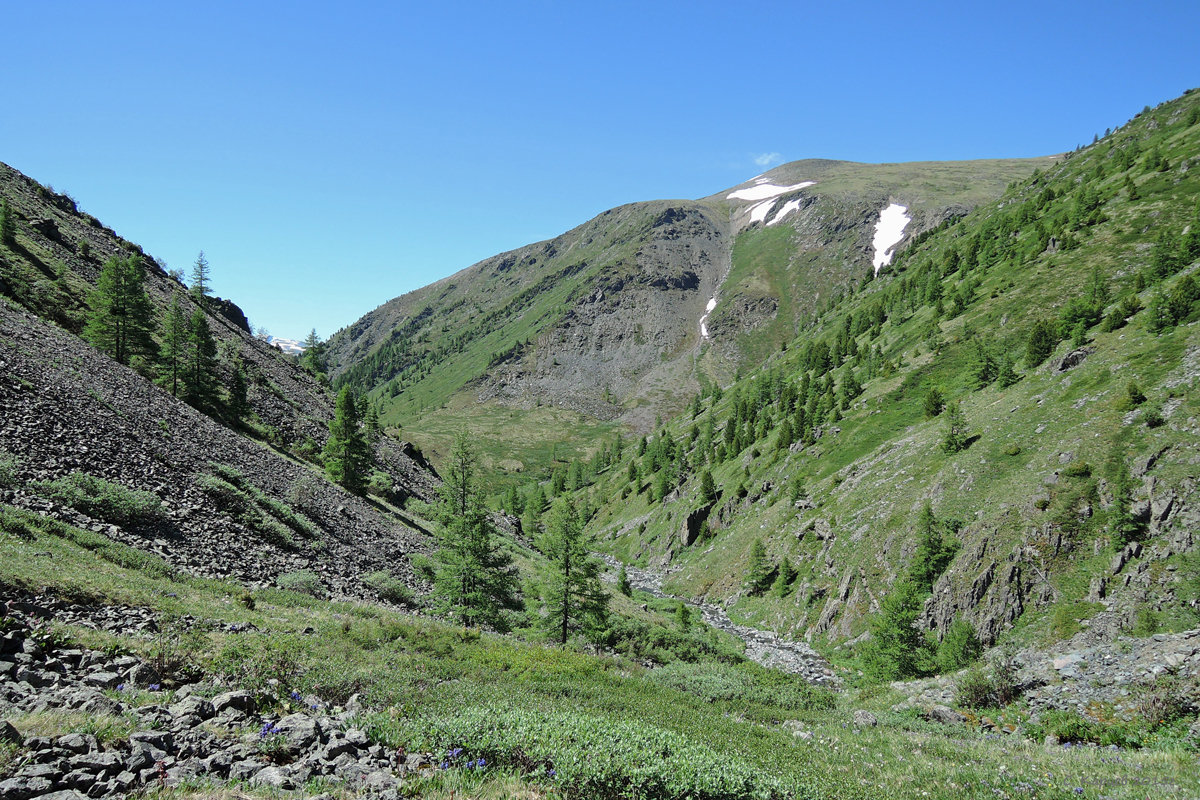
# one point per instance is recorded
(605, 725)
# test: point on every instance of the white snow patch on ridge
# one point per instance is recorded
(765, 191)
(888, 233)
(788, 207)
(759, 212)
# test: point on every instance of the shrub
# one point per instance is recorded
(304, 581)
(9, 464)
(390, 588)
(1154, 418)
(1078, 469)
(959, 647)
(584, 755)
(742, 684)
(96, 497)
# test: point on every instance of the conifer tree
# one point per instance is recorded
(708, 489)
(985, 368)
(475, 580)
(201, 279)
(121, 314)
(174, 355)
(201, 367)
(1007, 376)
(1041, 343)
(623, 584)
(8, 225)
(933, 553)
(347, 453)
(897, 649)
(758, 571)
(239, 402)
(783, 581)
(575, 598)
(956, 429)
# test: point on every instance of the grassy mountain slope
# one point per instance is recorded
(1036, 493)
(602, 324)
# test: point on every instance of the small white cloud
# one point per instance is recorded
(767, 159)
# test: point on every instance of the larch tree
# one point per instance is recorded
(121, 315)
(201, 279)
(201, 365)
(474, 581)
(347, 452)
(174, 335)
(575, 599)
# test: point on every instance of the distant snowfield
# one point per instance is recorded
(788, 207)
(286, 345)
(888, 233)
(765, 191)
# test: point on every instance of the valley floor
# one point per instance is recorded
(109, 663)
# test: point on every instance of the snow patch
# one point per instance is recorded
(888, 233)
(765, 191)
(788, 207)
(286, 345)
(759, 212)
(712, 303)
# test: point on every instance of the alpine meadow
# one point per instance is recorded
(847, 481)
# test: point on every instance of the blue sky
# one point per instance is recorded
(328, 157)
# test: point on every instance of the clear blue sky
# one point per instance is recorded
(329, 156)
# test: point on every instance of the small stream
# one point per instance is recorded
(765, 647)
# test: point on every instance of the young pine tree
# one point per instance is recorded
(575, 599)
(897, 649)
(956, 429)
(623, 584)
(121, 315)
(239, 401)
(347, 453)
(1041, 343)
(474, 580)
(758, 571)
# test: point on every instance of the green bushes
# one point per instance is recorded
(9, 464)
(102, 499)
(586, 756)
(390, 588)
(273, 520)
(743, 684)
(27, 525)
(642, 640)
(304, 582)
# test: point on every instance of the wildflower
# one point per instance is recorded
(445, 765)
(120, 687)
(552, 772)
(482, 763)
(295, 695)
(154, 687)
(1078, 790)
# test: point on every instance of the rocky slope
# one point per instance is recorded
(69, 410)
(607, 318)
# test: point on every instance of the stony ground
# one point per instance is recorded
(125, 728)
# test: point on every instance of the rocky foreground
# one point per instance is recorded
(194, 730)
